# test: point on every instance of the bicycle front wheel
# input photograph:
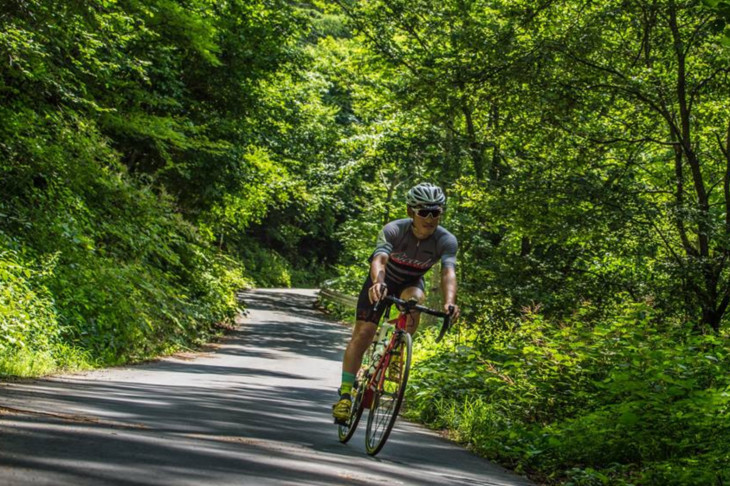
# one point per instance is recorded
(388, 397)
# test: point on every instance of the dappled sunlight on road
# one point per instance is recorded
(255, 410)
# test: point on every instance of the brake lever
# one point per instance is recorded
(377, 304)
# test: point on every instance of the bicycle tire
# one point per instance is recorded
(388, 399)
(345, 432)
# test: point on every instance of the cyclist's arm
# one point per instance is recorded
(377, 275)
(448, 286)
(377, 268)
(448, 289)
(386, 238)
(448, 274)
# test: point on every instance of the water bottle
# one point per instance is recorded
(377, 353)
(379, 348)
(381, 342)
(385, 332)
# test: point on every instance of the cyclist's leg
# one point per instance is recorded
(362, 335)
(413, 292)
(363, 332)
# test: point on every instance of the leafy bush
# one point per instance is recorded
(30, 334)
(626, 399)
(266, 267)
(125, 125)
(129, 277)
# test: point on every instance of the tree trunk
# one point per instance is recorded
(476, 149)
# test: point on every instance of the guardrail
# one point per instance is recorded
(338, 298)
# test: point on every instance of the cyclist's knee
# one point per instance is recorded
(413, 320)
(413, 293)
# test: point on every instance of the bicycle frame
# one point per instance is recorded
(376, 379)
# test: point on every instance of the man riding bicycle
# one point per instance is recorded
(405, 250)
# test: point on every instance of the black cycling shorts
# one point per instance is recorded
(365, 308)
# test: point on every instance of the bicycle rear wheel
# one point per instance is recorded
(388, 398)
(345, 432)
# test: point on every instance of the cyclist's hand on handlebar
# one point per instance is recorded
(452, 309)
(377, 292)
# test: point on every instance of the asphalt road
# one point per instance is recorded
(254, 409)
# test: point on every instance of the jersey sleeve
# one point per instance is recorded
(449, 248)
(386, 239)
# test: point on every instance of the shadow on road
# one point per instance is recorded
(178, 431)
(257, 411)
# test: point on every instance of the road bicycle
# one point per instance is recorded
(380, 383)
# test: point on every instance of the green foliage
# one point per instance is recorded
(269, 268)
(722, 9)
(618, 397)
(24, 312)
(584, 152)
(160, 155)
(129, 277)
(31, 341)
(154, 152)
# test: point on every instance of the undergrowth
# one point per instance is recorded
(626, 399)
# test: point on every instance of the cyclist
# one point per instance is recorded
(405, 250)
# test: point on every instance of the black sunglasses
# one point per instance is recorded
(426, 212)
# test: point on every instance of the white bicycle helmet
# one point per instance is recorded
(425, 194)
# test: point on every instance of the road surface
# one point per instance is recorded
(254, 409)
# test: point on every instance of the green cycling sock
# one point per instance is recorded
(348, 379)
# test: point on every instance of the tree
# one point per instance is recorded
(660, 67)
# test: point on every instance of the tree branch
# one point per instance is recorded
(684, 113)
(696, 90)
(679, 197)
(726, 179)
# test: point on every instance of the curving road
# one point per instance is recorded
(254, 409)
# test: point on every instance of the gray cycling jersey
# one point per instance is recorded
(408, 257)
